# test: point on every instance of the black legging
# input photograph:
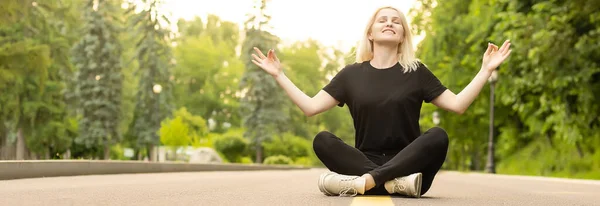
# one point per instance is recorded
(426, 154)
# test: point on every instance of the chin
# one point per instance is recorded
(387, 41)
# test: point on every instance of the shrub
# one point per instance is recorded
(231, 146)
(278, 160)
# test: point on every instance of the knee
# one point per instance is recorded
(439, 137)
(322, 141)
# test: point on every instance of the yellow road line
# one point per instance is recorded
(372, 200)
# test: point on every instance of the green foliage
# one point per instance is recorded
(545, 90)
(246, 160)
(154, 58)
(99, 79)
(174, 133)
(208, 70)
(183, 129)
(288, 145)
(33, 59)
(232, 145)
(309, 65)
(263, 100)
(546, 112)
(545, 160)
(278, 160)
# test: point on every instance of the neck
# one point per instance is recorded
(384, 56)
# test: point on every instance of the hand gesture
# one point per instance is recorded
(493, 57)
(269, 63)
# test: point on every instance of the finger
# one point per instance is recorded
(256, 57)
(494, 49)
(488, 51)
(270, 54)
(504, 46)
(255, 62)
(260, 54)
(275, 56)
(507, 54)
(506, 49)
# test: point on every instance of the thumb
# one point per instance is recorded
(489, 49)
(275, 56)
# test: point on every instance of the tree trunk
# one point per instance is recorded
(463, 159)
(67, 154)
(258, 154)
(138, 154)
(3, 138)
(106, 151)
(474, 160)
(47, 153)
(20, 145)
(579, 151)
(152, 153)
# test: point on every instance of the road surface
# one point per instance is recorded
(285, 188)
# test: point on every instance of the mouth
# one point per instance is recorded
(388, 30)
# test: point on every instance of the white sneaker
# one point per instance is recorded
(408, 185)
(333, 184)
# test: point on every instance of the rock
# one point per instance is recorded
(204, 155)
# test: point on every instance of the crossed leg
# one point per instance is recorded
(426, 155)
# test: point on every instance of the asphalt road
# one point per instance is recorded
(285, 188)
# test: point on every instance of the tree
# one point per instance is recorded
(33, 59)
(99, 79)
(262, 100)
(154, 57)
(183, 129)
(310, 65)
(208, 71)
(544, 96)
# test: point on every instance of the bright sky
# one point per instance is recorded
(332, 22)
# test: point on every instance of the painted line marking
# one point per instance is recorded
(372, 200)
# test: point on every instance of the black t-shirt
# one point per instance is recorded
(384, 103)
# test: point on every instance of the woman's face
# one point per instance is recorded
(387, 27)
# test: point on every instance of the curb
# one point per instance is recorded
(56, 168)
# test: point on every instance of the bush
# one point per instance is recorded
(231, 146)
(288, 145)
(278, 160)
(303, 161)
(246, 160)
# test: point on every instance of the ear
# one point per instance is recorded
(370, 37)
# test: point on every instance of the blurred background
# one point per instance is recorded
(172, 80)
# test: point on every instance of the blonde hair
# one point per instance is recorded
(406, 53)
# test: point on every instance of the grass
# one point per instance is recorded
(540, 159)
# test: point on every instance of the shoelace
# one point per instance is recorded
(346, 185)
(399, 186)
(346, 190)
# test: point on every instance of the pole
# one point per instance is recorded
(490, 166)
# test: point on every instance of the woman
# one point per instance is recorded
(384, 91)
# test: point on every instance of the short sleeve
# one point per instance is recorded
(337, 87)
(431, 87)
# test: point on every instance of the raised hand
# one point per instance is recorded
(493, 57)
(269, 63)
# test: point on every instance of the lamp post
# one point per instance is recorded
(157, 88)
(491, 165)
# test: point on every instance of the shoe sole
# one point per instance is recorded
(322, 186)
(418, 185)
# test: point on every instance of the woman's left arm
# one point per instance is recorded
(458, 103)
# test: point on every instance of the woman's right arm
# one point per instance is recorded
(310, 106)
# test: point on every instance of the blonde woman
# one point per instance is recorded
(384, 91)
